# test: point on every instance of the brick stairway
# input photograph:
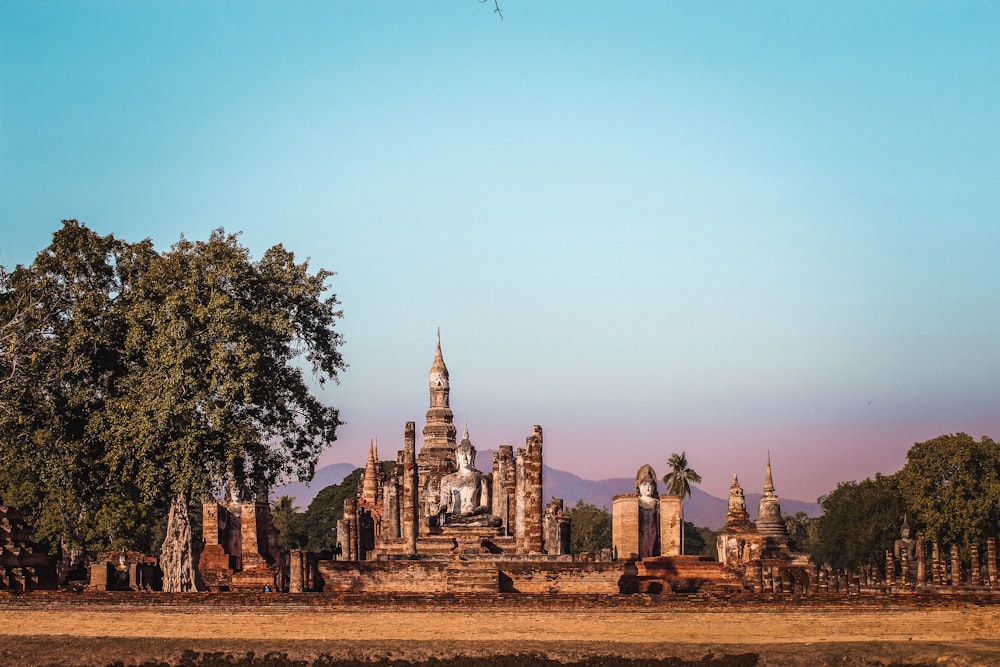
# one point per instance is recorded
(472, 577)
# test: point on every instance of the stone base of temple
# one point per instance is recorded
(679, 574)
(449, 541)
(470, 574)
(255, 579)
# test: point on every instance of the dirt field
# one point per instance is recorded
(63, 630)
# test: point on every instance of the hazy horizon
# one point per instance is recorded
(650, 227)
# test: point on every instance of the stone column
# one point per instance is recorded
(409, 512)
(344, 539)
(533, 491)
(991, 560)
(890, 569)
(351, 519)
(904, 566)
(975, 574)
(670, 525)
(625, 525)
(956, 566)
(504, 486)
(253, 514)
(921, 560)
(210, 528)
(98, 576)
(551, 542)
(296, 573)
(936, 564)
(390, 504)
(520, 484)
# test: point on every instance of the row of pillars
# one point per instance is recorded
(940, 574)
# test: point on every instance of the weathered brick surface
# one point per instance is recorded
(383, 576)
(670, 525)
(625, 525)
(560, 578)
(533, 492)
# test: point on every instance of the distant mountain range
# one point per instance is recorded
(701, 509)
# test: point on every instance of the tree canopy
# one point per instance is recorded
(590, 528)
(318, 524)
(860, 521)
(132, 377)
(952, 483)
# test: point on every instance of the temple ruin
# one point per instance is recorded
(438, 522)
(431, 522)
(241, 545)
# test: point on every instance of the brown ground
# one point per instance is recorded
(69, 630)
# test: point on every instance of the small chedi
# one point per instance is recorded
(22, 567)
(761, 550)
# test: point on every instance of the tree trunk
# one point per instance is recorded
(176, 559)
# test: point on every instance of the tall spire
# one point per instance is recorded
(439, 372)
(769, 520)
(439, 431)
(371, 480)
(768, 482)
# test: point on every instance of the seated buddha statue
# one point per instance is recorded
(465, 493)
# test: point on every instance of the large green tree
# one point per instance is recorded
(590, 528)
(860, 521)
(953, 484)
(64, 331)
(154, 378)
(319, 521)
(800, 529)
(214, 389)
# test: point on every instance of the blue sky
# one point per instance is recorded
(722, 228)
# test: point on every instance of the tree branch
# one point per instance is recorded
(496, 5)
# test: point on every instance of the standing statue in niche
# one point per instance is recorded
(465, 494)
(649, 512)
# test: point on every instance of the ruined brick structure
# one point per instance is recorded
(22, 566)
(125, 571)
(400, 516)
(241, 545)
(761, 551)
(408, 516)
(645, 524)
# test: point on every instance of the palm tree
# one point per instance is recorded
(678, 482)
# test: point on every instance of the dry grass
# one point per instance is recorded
(66, 632)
